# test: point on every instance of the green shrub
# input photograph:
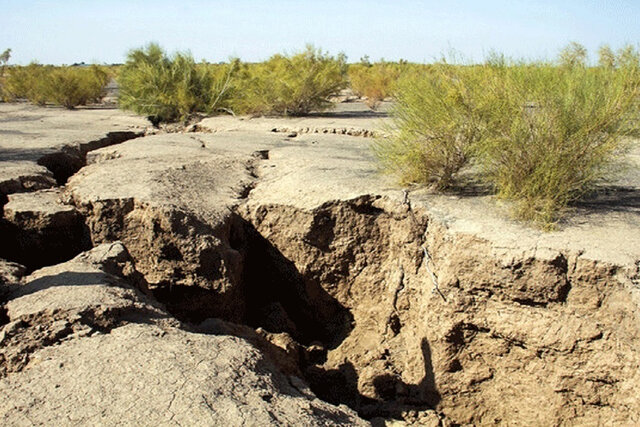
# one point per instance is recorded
(291, 85)
(28, 82)
(4, 59)
(554, 134)
(66, 86)
(606, 57)
(540, 134)
(72, 86)
(375, 82)
(169, 89)
(437, 122)
(573, 55)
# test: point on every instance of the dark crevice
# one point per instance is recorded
(279, 299)
(530, 302)
(67, 162)
(4, 316)
(59, 241)
(340, 386)
(60, 237)
(3, 201)
(191, 304)
(62, 165)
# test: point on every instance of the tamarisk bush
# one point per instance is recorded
(291, 85)
(66, 86)
(170, 89)
(542, 134)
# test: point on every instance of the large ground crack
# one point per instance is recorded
(383, 309)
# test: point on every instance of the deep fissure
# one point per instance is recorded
(280, 299)
(62, 236)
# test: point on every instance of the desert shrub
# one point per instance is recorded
(541, 134)
(28, 82)
(606, 57)
(169, 89)
(291, 85)
(223, 86)
(73, 86)
(374, 81)
(554, 133)
(4, 59)
(66, 86)
(437, 122)
(628, 57)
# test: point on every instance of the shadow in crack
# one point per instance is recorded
(62, 165)
(193, 304)
(64, 237)
(279, 299)
(391, 395)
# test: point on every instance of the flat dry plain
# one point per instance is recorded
(262, 271)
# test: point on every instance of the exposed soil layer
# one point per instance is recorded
(441, 320)
(83, 345)
(38, 229)
(393, 314)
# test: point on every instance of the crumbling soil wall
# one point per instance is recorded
(447, 321)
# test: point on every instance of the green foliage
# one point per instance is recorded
(72, 86)
(374, 81)
(65, 86)
(541, 135)
(26, 83)
(628, 56)
(606, 57)
(437, 124)
(291, 85)
(573, 55)
(5, 56)
(554, 132)
(4, 59)
(169, 89)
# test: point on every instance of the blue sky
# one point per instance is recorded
(67, 31)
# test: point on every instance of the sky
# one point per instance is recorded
(103, 31)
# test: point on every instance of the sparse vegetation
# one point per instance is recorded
(541, 133)
(72, 86)
(291, 85)
(4, 59)
(573, 55)
(555, 134)
(65, 86)
(438, 122)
